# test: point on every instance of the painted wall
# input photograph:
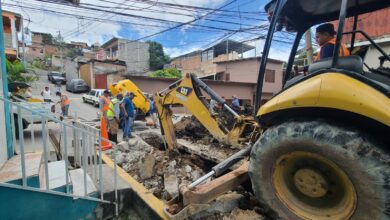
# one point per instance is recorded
(85, 74)
(371, 58)
(246, 70)
(70, 69)
(244, 91)
(3, 135)
(24, 204)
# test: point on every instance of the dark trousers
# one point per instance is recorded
(113, 137)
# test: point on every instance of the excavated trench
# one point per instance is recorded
(147, 161)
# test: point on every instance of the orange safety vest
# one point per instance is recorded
(65, 100)
(343, 49)
(106, 104)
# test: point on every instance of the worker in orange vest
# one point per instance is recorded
(64, 102)
(325, 37)
(104, 101)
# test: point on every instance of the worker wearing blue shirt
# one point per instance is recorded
(128, 109)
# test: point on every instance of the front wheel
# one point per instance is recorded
(314, 170)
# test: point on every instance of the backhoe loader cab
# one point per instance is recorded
(324, 150)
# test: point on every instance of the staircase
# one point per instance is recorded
(38, 185)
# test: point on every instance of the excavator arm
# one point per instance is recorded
(188, 93)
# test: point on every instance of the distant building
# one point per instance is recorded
(202, 62)
(135, 54)
(78, 45)
(100, 74)
(12, 24)
(246, 71)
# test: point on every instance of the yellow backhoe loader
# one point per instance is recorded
(324, 148)
(189, 92)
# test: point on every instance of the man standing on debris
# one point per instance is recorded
(153, 111)
(46, 94)
(113, 120)
(236, 104)
(128, 109)
(64, 102)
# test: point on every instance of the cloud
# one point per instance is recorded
(72, 28)
(176, 51)
(79, 29)
(278, 51)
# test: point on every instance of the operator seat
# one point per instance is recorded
(351, 63)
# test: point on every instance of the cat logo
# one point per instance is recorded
(184, 90)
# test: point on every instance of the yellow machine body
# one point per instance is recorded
(184, 94)
(334, 91)
(140, 100)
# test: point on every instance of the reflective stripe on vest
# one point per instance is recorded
(110, 111)
(343, 49)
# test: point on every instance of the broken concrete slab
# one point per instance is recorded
(188, 168)
(120, 158)
(238, 214)
(146, 166)
(123, 146)
(171, 184)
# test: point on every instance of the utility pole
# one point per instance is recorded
(309, 47)
(60, 44)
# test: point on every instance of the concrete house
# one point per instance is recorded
(202, 62)
(246, 71)
(12, 24)
(134, 53)
(100, 74)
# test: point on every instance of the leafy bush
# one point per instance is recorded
(15, 72)
(167, 73)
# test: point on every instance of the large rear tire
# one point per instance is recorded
(315, 170)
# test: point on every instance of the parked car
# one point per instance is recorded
(55, 77)
(77, 85)
(93, 96)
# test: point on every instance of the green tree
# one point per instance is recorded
(15, 72)
(47, 38)
(157, 56)
(167, 73)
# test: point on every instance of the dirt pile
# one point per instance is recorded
(189, 128)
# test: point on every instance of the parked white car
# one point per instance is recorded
(93, 96)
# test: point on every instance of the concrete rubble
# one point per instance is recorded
(146, 160)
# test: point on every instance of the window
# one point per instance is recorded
(227, 77)
(207, 55)
(210, 54)
(34, 49)
(204, 56)
(270, 76)
(92, 93)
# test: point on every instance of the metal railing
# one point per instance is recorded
(86, 148)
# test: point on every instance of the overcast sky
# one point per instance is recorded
(100, 20)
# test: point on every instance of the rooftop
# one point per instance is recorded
(228, 46)
(249, 58)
